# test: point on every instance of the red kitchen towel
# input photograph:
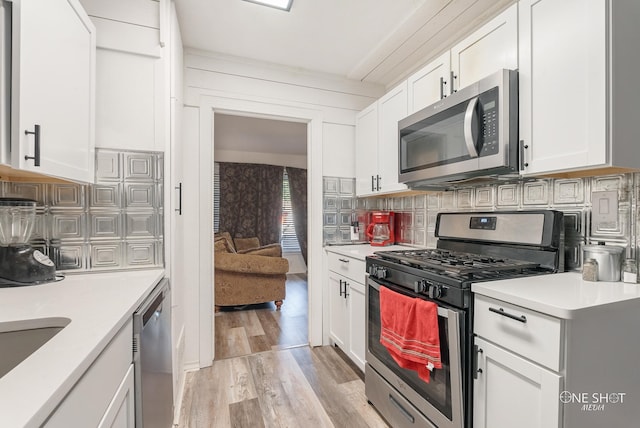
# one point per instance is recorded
(409, 331)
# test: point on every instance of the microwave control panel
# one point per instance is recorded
(489, 131)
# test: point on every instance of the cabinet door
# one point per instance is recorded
(338, 306)
(392, 107)
(357, 322)
(562, 83)
(121, 410)
(338, 150)
(429, 84)
(53, 68)
(512, 392)
(493, 47)
(367, 150)
(130, 87)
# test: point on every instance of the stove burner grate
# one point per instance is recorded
(455, 262)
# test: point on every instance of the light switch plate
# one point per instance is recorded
(604, 212)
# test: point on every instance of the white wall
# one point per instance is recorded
(295, 161)
(226, 84)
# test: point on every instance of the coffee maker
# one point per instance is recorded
(20, 263)
(380, 230)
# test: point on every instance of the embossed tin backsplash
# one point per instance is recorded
(417, 213)
(115, 224)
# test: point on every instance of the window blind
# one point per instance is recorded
(288, 240)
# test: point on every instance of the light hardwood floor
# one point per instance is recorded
(259, 328)
(266, 375)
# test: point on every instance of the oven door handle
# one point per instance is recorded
(442, 311)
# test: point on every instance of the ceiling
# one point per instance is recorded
(250, 134)
(377, 42)
(370, 41)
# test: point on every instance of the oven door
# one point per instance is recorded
(440, 400)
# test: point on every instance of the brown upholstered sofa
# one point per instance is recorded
(248, 273)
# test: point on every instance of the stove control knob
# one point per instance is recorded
(435, 291)
(420, 286)
(381, 273)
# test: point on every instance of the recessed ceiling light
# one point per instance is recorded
(278, 4)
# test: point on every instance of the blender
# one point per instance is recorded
(20, 263)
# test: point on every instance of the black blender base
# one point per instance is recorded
(22, 265)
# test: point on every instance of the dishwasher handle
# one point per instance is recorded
(152, 304)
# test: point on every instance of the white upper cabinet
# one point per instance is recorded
(132, 86)
(377, 143)
(338, 150)
(53, 87)
(392, 107)
(429, 84)
(367, 150)
(492, 47)
(579, 93)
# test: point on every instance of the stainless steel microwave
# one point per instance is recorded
(471, 133)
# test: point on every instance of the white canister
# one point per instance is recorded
(609, 258)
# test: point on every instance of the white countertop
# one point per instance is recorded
(98, 305)
(360, 251)
(563, 295)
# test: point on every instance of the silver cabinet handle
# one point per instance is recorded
(36, 144)
(179, 189)
(470, 125)
(523, 147)
(453, 78)
(344, 260)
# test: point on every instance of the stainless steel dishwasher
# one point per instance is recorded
(152, 359)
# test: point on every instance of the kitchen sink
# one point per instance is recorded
(19, 339)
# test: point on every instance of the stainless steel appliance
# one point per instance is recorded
(472, 247)
(471, 133)
(20, 263)
(5, 81)
(153, 370)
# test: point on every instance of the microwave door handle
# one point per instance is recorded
(471, 124)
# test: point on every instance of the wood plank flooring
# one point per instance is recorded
(265, 375)
(259, 328)
(297, 387)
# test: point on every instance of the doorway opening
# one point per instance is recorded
(275, 143)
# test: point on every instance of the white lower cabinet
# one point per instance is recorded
(357, 319)
(103, 397)
(510, 391)
(338, 307)
(121, 411)
(347, 305)
(517, 380)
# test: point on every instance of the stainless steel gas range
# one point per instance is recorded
(472, 247)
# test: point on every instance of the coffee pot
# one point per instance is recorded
(380, 230)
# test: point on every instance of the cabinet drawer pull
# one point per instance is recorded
(340, 287)
(501, 311)
(402, 410)
(373, 185)
(36, 149)
(344, 260)
(346, 284)
(442, 83)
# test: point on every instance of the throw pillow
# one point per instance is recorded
(272, 250)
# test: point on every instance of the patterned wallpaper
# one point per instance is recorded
(417, 213)
(115, 224)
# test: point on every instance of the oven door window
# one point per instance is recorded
(438, 390)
